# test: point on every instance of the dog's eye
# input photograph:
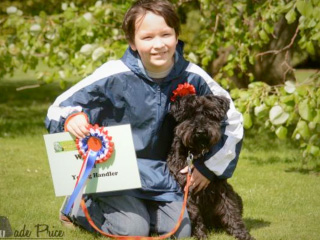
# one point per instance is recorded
(207, 114)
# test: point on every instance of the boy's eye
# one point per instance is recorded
(147, 38)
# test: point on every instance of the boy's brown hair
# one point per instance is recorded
(162, 8)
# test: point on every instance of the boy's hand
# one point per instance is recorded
(78, 126)
(198, 182)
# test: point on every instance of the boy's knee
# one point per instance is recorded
(184, 230)
(138, 228)
(129, 226)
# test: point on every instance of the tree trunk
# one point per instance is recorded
(269, 67)
(275, 68)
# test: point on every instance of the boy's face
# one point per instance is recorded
(155, 42)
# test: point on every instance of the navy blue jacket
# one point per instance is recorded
(120, 92)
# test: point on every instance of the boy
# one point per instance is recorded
(136, 89)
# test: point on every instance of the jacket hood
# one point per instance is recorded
(133, 61)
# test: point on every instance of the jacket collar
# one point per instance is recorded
(132, 60)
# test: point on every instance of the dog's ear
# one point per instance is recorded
(183, 108)
(221, 106)
(176, 110)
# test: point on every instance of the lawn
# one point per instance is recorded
(281, 199)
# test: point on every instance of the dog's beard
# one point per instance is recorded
(198, 138)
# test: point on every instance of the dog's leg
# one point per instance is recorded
(177, 161)
(228, 208)
(199, 230)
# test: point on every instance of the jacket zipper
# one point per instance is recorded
(158, 102)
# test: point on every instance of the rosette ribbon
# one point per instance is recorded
(95, 148)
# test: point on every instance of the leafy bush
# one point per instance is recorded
(246, 41)
(74, 41)
(291, 111)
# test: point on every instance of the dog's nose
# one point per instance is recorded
(202, 135)
(200, 130)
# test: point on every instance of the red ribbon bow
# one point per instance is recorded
(183, 90)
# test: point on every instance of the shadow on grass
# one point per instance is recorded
(24, 112)
(261, 161)
(265, 149)
(256, 223)
(313, 170)
(255, 140)
(250, 224)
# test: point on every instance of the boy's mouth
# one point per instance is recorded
(159, 54)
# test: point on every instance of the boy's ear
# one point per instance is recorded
(133, 46)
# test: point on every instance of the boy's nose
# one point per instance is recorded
(158, 42)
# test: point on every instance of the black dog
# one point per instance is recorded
(198, 129)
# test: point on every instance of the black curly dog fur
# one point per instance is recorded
(198, 129)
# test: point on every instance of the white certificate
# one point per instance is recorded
(120, 172)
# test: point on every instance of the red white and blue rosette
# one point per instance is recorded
(94, 149)
(98, 141)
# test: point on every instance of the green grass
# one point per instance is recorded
(281, 199)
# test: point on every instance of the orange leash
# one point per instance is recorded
(167, 235)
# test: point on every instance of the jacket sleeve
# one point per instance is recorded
(86, 96)
(92, 95)
(76, 99)
(222, 159)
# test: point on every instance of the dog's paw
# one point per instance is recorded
(244, 235)
(200, 233)
(201, 236)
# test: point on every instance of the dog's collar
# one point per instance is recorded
(204, 152)
(190, 162)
